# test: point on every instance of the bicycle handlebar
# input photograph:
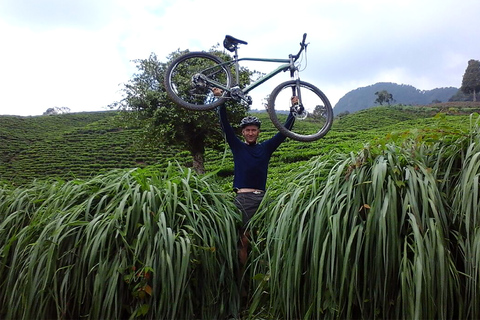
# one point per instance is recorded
(304, 37)
(303, 46)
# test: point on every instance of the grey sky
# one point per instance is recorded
(77, 53)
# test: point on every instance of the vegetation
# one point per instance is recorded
(56, 110)
(82, 145)
(77, 145)
(376, 220)
(124, 244)
(471, 79)
(383, 96)
(389, 232)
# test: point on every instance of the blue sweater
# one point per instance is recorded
(251, 161)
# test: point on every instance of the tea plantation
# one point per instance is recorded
(82, 145)
(76, 145)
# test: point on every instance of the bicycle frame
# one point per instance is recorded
(287, 64)
(284, 67)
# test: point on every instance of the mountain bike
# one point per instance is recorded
(191, 78)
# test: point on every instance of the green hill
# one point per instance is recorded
(80, 145)
(76, 145)
(364, 97)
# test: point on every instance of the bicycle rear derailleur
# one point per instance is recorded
(199, 80)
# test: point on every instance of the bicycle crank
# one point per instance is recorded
(237, 94)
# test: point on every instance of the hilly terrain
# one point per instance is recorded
(364, 97)
(81, 145)
(377, 220)
(75, 145)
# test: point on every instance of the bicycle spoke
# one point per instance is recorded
(190, 79)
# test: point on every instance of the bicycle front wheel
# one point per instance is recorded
(312, 122)
(190, 78)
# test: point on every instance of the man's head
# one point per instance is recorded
(250, 129)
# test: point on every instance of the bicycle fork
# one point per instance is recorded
(297, 108)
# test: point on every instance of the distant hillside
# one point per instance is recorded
(365, 97)
(75, 145)
(81, 145)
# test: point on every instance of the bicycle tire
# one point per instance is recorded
(319, 118)
(209, 69)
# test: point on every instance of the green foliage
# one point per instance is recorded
(383, 96)
(70, 146)
(145, 104)
(81, 145)
(389, 232)
(376, 220)
(124, 244)
(471, 79)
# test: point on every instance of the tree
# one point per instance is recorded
(319, 112)
(383, 96)
(147, 105)
(56, 110)
(471, 79)
(460, 96)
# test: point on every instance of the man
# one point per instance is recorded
(250, 167)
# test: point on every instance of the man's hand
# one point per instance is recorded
(217, 92)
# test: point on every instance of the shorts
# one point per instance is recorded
(248, 204)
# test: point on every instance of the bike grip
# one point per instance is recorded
(304, 37)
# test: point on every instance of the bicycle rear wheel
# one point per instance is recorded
(311, 124)
(190, 78)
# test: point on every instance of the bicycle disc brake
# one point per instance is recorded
(299, 112)
(199, 85)
(199, 81)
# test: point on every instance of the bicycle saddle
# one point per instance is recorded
(230, 43)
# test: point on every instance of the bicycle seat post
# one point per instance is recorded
(231, 44)
(237, 71)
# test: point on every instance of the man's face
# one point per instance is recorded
(250, 134)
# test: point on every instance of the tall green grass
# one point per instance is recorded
(392, 232)
(125, 244)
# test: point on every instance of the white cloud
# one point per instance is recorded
(75, 54)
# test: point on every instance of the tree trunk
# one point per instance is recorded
(196, 146)
(198, 164)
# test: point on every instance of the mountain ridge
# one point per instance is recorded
(364, 97)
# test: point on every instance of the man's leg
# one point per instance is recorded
(243, 247)
(242, 261)
(248, 204)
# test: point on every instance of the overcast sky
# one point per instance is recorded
(78, 53)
